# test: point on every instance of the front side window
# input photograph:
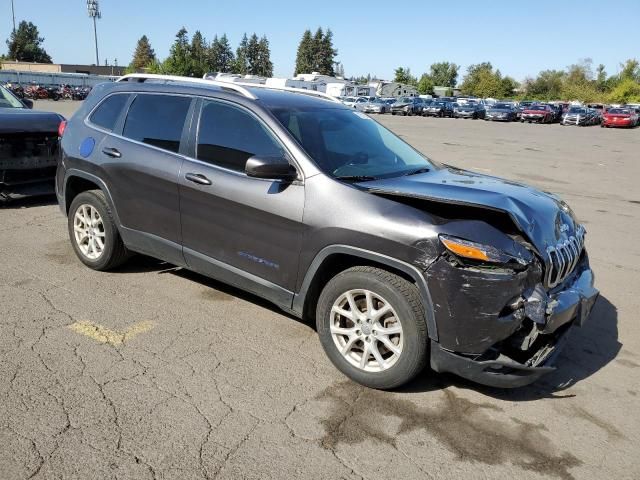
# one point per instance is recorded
(108, 112)
(157, 120)
(228, 136)
(345, 143)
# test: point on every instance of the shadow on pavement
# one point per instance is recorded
(28, 202)
(588, 349)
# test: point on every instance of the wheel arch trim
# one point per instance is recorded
(72, 172)
(406, 268)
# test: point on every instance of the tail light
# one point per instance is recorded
(61, 128)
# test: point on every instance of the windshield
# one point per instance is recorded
(537, 107)
(619, 111)
(8, 100)
(502, 106)
(404, 100)
(345, 143)
(577, 110)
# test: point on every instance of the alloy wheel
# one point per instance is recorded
(88, 231)
(366, 330)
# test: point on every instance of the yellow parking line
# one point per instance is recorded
(102, 334)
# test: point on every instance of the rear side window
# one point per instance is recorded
(108, 112)
(228, 136)
(157, 120)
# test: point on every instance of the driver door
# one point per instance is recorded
(245, 231)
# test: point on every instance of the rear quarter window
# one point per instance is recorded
(108, 112)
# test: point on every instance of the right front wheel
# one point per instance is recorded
(372, 327)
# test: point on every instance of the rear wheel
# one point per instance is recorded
(372, 327)
(93, 232)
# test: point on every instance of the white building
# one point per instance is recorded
(393, 89)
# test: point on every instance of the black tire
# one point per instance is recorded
(114, 253)
(405, 299)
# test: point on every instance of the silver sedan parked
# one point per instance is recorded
(376, 105)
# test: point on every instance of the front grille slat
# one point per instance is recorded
(563, 258)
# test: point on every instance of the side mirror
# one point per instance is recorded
(27, 102)
(271, 167)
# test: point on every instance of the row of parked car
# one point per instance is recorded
(504, 111)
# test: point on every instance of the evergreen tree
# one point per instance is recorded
(179, 60)
(316, 53)
(241, 65)
(304, 57)
(220, 57)
(25, 44)
(225, 55)
(198, 52)
(143, 55)
(265, 66)
(253, 55)
(316, 49)
(327, 54)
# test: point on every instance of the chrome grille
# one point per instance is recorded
(563, 258)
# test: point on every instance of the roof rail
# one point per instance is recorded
(287, 89)
(141, 77)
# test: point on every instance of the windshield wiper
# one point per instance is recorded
(356, 178)
(417, 171)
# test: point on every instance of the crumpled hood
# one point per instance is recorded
(540, 216)
(17, 120)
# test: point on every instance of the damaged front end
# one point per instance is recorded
(506, 271)
(502, 324)
(27, 164)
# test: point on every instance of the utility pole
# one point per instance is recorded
(13, 14)
(94, 12)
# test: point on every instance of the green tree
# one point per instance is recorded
(327, 55)
(179, 60)
(304, 56)
(403, 75)
(220, 56)
(265, 65)
(143, 56)
(444, 74)
(630, 70)
(253, 55)
(199, 55)
(426, 84)
(25, 44)
(242, 63)
(547, 85)
(627, 91)
(316, 49)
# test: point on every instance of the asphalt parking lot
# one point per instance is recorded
(155, 372)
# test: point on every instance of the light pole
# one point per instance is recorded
(94, 12)
(13, 14)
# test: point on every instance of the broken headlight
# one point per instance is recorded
(479, 252)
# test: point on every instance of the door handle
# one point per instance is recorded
(111, 152)
(197, 178)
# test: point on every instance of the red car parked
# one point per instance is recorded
(538, 113)
(620, 117)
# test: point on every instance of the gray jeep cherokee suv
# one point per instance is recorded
(324, 212)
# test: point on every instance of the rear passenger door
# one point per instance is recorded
(141, 162)
(245, 231)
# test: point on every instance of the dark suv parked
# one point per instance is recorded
(321, 210)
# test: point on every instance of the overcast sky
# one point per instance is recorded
(519, 37)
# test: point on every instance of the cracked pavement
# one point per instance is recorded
(226, 386)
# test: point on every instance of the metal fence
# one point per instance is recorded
(73, 79)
